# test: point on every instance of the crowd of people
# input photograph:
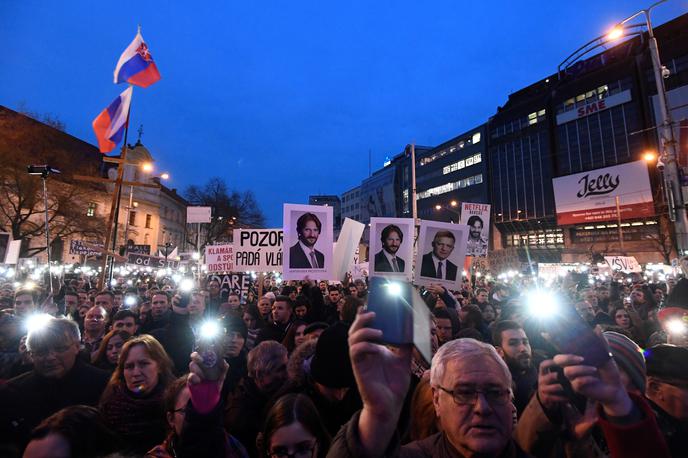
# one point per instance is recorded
(152, 368)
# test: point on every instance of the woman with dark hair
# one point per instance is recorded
(293, 428)
(132, 403)
(295, 335)
(75, 431)
(625, 320)
(109, 350)
(350, 309)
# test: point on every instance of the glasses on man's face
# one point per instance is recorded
(44, 352)
(469, 395)
(301, 450)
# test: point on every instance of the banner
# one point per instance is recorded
(219, 258)
(85, 248)
(138, 249)
(258, 250)
(477, 218)
(589, 197)
(234, 282)
(556, 269)
(142, 260)
(623, 263)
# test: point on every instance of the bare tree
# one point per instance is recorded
(230, 208)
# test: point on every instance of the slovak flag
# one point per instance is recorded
(110, 123)
(136, 66)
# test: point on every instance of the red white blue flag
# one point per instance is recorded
(136, 66)
(110, 123)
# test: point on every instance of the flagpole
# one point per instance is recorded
(113, 219)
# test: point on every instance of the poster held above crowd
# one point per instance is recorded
(441, 251)
(308, 233)
(391, 247)
(477, 218)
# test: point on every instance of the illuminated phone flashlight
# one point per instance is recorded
(130, 301)
(542, 304)
(676, 326)
(37, 322)
(210, 330)
(186, 285)
(393, 289)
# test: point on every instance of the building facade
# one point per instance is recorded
(330, 201)
(351, 204)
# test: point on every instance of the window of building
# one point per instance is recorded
(91, 210)
(146, 239)
(477, 158)
(149, 218)
(469, 161)
(476, 138)
(132, 218)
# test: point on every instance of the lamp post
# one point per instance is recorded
(453, 204)
(44, 171)
(676, 205)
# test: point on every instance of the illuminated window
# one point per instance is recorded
(91, 210)
(149, 218)
(477, 158)
(476, 138)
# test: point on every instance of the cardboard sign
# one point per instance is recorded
(391, 247)
(308, 237)
(142, 260)
(258, 250)
(623, 263)
(219, 258)
(441, 254)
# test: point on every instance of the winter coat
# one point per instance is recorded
(28, 399)
(244, 413)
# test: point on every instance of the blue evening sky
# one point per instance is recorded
(287, 98)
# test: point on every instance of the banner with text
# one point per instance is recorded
(84, 248)
(142, 260)
(258, 250)
(588, 197)
(219, 258)
(235, 282)
(623, 263)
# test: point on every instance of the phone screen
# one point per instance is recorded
(570, 334)
(390, 299)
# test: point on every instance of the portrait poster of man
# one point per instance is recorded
(391, 247)
(307, 242)
(441, 254)
(477, 218)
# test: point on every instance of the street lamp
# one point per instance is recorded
(677, 209)
(44, 171)
(649, 156)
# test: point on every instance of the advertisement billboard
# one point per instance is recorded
(588, 197)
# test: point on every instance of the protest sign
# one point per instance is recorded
(142, 260)
(623, 263)
(441, 254)
(308, 235)
(219, 258)
(346, 246)
(391, 247)
(477, 217)
(258, 250)
(234, 282)
(86, 249)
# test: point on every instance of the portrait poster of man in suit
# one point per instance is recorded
(391, 247)
(308, 234)
(442, 249)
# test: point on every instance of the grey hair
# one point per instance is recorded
(456, 350)
(265, 356)
(53, 333)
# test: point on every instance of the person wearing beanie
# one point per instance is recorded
(630, 360)
(667, 390)
(328, 379)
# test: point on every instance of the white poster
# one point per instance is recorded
(477, 218)
(391, 247)
(308, 234)
(346, 247)
(623, 263)
(441, 254)
(198, 214)
(219, 258)
(258, 250)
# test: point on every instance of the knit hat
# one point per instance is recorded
(235, 324)
(667, 362)
(629, 357)
(331, 365)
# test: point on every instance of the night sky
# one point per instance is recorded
(287, 98)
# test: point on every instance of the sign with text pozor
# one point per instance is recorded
(219, 258)
(258, 250)
(589, 197)
(623, 263)
(142, 260)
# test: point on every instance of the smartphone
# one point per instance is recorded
(390, 299)
(570, 334)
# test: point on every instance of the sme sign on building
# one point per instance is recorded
(588, 197)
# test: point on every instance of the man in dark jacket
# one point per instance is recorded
(282, 317)
(177, 337)
(58, 379)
